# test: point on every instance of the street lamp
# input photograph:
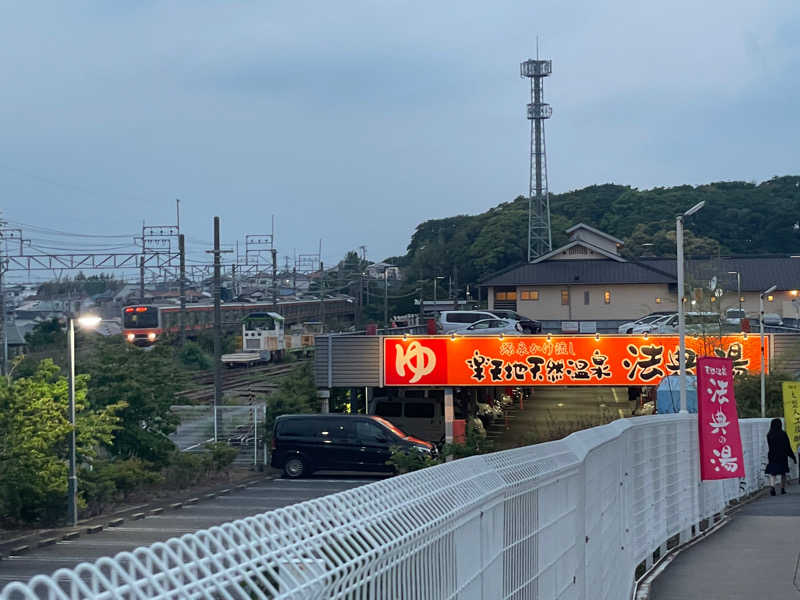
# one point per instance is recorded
(738, 289)
(87, 322)
(435, 281)
(769, 290)
(681, 318)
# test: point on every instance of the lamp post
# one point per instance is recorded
(738, 289)
(681, 318)
(87, 321)
(769, 290)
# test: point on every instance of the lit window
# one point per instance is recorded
(770, 298)
(586, 298)
(564, 297)
(500, 296)
(529, 295)
(607, 297)
(658, 300)
(741, 299)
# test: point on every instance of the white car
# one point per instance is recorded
(647, 319)
(492, 327)
(772, 319)
(734, 316)
(663, 324)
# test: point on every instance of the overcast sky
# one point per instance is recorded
(353, 122)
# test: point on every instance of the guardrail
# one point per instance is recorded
(566, 519)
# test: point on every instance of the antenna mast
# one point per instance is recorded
(539, 236)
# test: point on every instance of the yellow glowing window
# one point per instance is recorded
(564, 297)
(607, 297)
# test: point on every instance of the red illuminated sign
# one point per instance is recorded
(551, 360)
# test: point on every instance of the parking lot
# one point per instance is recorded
(254, 499)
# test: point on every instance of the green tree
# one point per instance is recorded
(34, 441)
(46, 334)
(296, 393)
(147, 382)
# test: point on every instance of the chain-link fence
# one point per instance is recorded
(240, 427)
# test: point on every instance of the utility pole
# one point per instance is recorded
(385, 297)
(182, 289)
(3, 332)
(233, 281)
(141, 279)
(322, 295)
(217, 325)
(274, 279)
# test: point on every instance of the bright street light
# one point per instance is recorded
(88, 322)
(681, 317)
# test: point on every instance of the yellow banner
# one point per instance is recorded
(791, 411)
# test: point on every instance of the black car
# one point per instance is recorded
(302, 444)
(527, 325)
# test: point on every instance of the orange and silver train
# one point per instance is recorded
(144, 324)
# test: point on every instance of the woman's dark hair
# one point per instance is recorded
(775, 426)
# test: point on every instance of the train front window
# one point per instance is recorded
(256, 321)
(139, 317)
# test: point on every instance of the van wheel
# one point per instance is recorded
(294, 467)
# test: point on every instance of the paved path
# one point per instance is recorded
(752, 557)
(254, 499)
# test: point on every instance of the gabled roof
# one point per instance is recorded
(594, 231)
(578, 272)
(757, 272)
(584, 243)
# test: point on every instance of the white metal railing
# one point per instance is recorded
(569, 519)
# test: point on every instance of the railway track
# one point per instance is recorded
(240, 383)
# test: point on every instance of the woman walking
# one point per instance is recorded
(780, 451)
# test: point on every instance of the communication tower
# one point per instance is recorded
(539, 237)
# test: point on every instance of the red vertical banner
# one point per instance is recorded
(721, 454)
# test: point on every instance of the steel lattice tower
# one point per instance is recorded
(539, 237)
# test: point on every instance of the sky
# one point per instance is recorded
(353, 122)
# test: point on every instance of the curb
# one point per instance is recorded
(48, 537)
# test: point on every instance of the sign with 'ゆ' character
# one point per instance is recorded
(721, 455)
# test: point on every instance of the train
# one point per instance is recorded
(265, 338)
(144, 324)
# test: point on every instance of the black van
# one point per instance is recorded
(302, 444)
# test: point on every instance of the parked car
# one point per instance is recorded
(734, 316)
(492, 327)
(645, 320)
(302, 444)
(528, 325)
(772, 319)
(416, 411)
(662, 324)
(452, 320)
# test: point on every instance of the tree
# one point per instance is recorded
(296, 393)
(34, 441)
(146, 382)
(46, 334)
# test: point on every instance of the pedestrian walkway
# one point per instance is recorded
(755, 556)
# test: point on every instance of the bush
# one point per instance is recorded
(406, 460)
(221, 455)
(193, 356)
(107, 482)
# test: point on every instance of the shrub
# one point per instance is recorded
(194, 357)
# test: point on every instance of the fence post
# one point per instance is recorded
(255, 437)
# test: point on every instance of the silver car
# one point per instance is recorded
(492, 327)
